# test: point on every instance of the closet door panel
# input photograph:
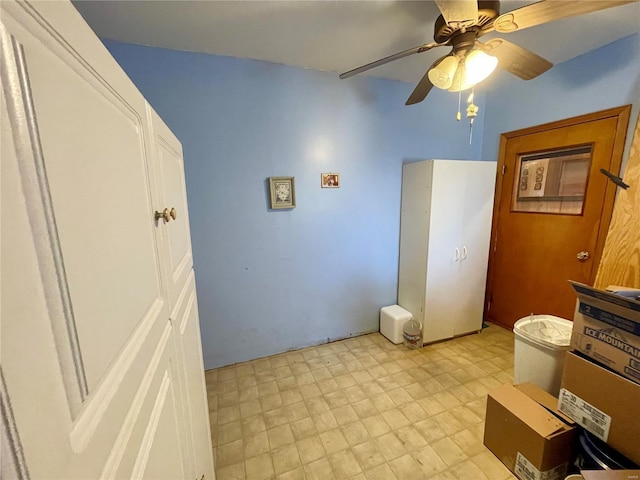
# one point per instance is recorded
(97, 173)
(443, 286)
(477, 215)
(75, 144)
(158, 445)
(172, 195)
(25, 327)
(414, 236)
(187, 330)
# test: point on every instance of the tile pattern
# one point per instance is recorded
(361, 408)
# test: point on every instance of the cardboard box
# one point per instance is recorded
(527, 433)
(603, 402)
(606, 327)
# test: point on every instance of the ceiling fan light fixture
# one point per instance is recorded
(474, 69)
(441, 75)
(479, 66)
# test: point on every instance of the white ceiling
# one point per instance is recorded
(330, 35)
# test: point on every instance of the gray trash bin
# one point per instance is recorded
(541, 343)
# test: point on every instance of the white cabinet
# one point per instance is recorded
(445, 229)
(102, 373)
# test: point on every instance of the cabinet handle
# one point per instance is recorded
(173, 213)
(164, 214)
(456, 257)
(464, 252)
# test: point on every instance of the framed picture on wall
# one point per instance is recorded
(283, 192)
(330, 180)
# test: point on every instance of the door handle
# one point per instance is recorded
(464, 252)
(164, 214)
(456, 257)
(583, 256)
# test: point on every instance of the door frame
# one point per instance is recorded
(622, 115)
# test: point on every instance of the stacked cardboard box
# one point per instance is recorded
(599, 382)
(606, 327)
(525, 430)
(534, 434)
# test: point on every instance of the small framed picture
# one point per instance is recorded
(283, 192)
(330, 180)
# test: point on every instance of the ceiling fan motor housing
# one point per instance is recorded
(488, 11)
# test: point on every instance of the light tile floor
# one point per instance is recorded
(361, 408)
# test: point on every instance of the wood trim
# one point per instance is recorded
(610, 195)
(568, 122)
(622, 114)
(620, 263)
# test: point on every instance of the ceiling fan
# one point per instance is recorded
(460, 26)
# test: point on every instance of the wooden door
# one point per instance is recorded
(552, 211)
(93, 369)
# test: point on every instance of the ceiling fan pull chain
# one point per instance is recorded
(462, 66)
(472, 113)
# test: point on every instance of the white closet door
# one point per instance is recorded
(443, 289)
(180, 285)
(414, 236)
(187, 330)
(477, 214)
(172, 195)
(88, 361)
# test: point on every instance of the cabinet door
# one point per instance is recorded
(172, 195)
(414, 236)
(180, 285)
(476, 214)
(187, 331)
(443, 288)
(88, 365)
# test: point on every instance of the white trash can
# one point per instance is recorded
(541, 343)
(392, 320)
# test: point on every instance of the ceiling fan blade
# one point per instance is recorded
(390, 58)
(458, 12)
(548, 11)
(424, 86)
(519, 61)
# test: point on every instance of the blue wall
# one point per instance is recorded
(270, 281)
(605, 78)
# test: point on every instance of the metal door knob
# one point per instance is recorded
(173, 213)
(583, 255)
(164, 214)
